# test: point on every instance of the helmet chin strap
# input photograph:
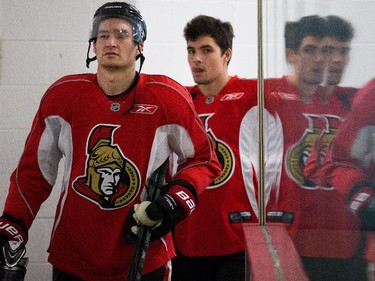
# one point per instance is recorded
(88, 59)
(141, 57)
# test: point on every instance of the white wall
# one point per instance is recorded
(42, 40)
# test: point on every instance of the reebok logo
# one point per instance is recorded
(144, 109)
(232, 96)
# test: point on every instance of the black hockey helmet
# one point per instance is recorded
(121, 10)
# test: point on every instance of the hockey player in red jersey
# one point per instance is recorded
(328, 224)
(114, 129)
(288, 98)
(210, 242)
(325, 233)
(350, 163)
(337, 47)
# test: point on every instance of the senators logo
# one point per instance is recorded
(298, 155)
(223, 153)
(111, 181)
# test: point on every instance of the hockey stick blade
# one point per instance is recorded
(144, 235)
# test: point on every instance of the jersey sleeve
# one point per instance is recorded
(194, 149)
(32, 180)
(350, 158)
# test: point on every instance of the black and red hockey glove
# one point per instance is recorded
(362, 203)
(11, 229)
(177, 201)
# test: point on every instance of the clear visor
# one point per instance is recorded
(137, 29)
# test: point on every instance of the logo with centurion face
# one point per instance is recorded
(223, 153)
(110, 181)
(320, 133)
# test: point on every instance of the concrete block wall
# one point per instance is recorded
(41, 41)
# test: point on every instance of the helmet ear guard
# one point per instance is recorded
(121, 10)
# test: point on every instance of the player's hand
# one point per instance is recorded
(362, 203)
(11, 230)
(142, 217)
(165, 212)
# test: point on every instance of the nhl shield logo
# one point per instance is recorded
(115, 106)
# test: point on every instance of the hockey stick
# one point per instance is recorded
(144, 235)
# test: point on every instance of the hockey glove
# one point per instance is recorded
(165, 212)
(11, 229)
(362, 203)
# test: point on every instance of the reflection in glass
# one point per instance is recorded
(320, 192)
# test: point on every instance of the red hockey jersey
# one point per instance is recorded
(110, 148)
(230, 118)
(316, 215)
(350, 159)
